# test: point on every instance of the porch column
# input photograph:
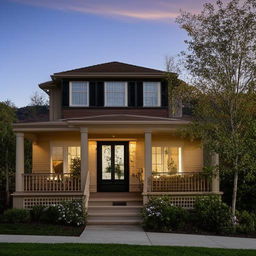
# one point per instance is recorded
(215, 177)
(147, 160)
(84, 156)
(19, 162)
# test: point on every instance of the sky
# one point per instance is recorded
(41, 37)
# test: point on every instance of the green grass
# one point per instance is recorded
(116, 250)
(39, 229)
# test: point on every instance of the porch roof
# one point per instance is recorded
(120, 122)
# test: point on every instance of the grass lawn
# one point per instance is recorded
(116, 250)
(39, 229)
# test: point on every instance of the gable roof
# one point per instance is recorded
(110, 69)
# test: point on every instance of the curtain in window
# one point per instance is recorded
(57, 160)
(151, 97)
(79, 93)
(115, 94)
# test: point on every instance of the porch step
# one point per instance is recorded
(114, 208)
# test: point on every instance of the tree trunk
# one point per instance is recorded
(234, 192)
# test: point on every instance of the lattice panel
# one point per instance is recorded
(186, 202)
(28, 203)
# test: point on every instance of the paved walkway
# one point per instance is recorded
(136, 235)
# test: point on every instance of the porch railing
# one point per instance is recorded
(44, 182)
(180, 182)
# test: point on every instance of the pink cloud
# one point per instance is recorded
(161, 10)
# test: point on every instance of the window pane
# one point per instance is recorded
(74, 161)
(151, 97)
(165, 159)
(57, 160)
(106, 162)
(79, 93)
(119, 162)
(115, 94)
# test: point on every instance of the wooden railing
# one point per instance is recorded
(44, 182)
(180, 182)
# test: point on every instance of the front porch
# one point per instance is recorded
(156, 161)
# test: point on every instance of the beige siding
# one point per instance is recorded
(192, 153)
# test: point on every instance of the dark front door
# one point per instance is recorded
(113, 166)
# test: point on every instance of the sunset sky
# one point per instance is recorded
(41, 37)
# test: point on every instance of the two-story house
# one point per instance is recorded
(109, 140)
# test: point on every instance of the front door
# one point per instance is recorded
(113, 166)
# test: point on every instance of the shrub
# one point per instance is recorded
(211, 214)
(72, 212)
(160, 215)
(49, 214)
(16, 216)
(36, 212)
(246, 222)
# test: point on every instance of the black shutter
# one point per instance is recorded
(164, 93)
(65, 93)
(92, 94)
(131, 94)
(100, 94)
(139, 94)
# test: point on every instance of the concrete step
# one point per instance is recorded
(115, 195)
(113, 220)
(114, 209)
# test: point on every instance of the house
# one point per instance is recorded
(112, 141)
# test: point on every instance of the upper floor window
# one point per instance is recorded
(115, 94)
(151, 94)
(79, 93)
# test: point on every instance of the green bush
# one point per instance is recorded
(246, 222)
(160, 215)
(72, 212)
(16, 216)
(49, 214)
(211, 214)
(36, 212)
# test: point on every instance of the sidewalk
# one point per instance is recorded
(136, 235)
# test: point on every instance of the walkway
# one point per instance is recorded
(135, 235)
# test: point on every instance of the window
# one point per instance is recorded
(65, 159)
(79, 93)
(166, 160)
(115, 94)
(57, 160)
(151, 94)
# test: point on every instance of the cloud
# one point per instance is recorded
(157, 10)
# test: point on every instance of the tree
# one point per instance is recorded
(221, 57)
(7, 146)
(38, 99)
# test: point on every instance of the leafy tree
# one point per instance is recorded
(221, 57)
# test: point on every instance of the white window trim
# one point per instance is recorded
(70, 94)
(158, 98)
(126, 95)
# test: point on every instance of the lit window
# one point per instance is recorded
(151, 94)
(115, 94)
(74, 161)
(57, 160)
(65, 159)
(79, 93)
(166, 160)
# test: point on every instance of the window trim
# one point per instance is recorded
(159, 103)
(70, 94)
(126, 95)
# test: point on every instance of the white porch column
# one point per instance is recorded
(19, 162)
(84, 156)
(147, 160)
(215, 177)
